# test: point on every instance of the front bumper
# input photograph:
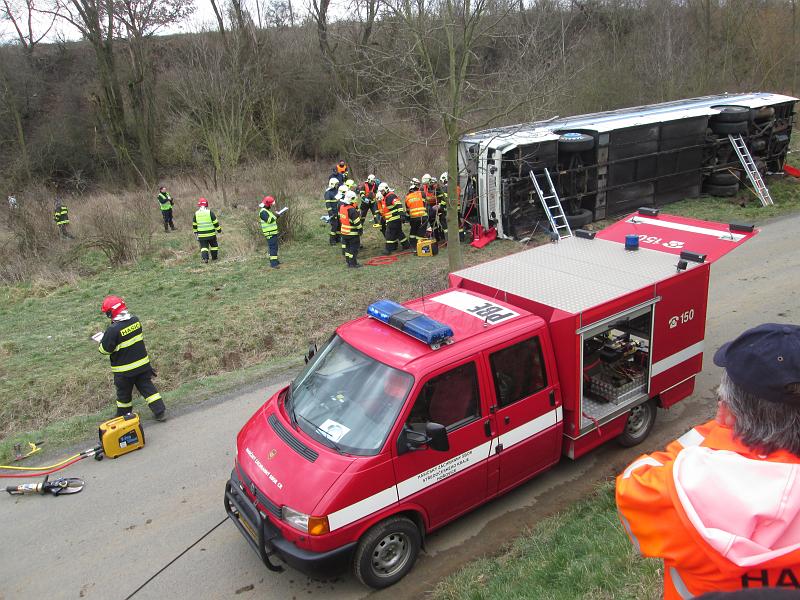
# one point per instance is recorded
(266, 539)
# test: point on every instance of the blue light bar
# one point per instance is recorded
(411, 322)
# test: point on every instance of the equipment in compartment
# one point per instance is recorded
(614, 366)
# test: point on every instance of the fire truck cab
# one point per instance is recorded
(414, 414)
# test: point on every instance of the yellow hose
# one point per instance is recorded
(58, 464)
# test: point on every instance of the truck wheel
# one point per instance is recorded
(726, 128)
(721, 191)
(387, 552)
(640, 421)
(572, 141)
(580, 218)
(731, 114)
(723, 178)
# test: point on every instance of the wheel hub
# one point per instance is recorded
(391, 554)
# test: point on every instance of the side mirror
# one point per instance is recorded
(437, 437)
(312, 350)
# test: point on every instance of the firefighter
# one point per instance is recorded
(122, 341)
(61, 217)
(443, 200)
(429, 192)
(206, 227)
(269, 227)
(350, 228)
(166, 203)
(332, 206)
(417, 213)
(719, 506)
(391, 211)
(343, 171)
(368, 191)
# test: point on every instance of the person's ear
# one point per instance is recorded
(724, 415)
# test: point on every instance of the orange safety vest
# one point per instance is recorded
(386, 207)
(369, 188)
(415, 205)
(341, 169)
(346, 227)
(696, 506)
(429, 192)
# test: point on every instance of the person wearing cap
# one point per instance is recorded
(206, 227)
(269, 227)
(721, 504)
(165, 203)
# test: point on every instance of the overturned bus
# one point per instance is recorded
(606, 164)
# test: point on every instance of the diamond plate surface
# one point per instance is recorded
(574, 274)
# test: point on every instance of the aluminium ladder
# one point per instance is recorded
(750, 167)
(552, 207)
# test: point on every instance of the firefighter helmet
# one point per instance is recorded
(343, 189)
(267, 201)
(112, 306)
(371, 178)
(350, 197)
(202, 202)
(383, 188)
(443, 177)
(426, 178)
(351, 185)
(332, 183)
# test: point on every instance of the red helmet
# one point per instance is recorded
(202, 202)
(268, 201)
(112, 306)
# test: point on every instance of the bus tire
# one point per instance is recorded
(387, 552)
(723, 178)
(580, 218)
(640, 422)
(726, 128)
(731, 114)
(572, 141)
(721, 191)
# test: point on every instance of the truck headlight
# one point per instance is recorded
(305, 523)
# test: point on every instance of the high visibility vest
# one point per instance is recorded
(60, 215)
(341, 169)
(205, 224)
(165, 201)
(369, 189)
(269, 222)
(415, 205)
(389, 207)
(429, 193)
(347, 227)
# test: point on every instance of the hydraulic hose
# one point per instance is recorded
(39, 471)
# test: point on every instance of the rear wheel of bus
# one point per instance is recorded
(387, 552)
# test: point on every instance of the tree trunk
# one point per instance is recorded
(454, 258)
(140, 88)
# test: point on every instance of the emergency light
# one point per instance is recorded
(411, 322)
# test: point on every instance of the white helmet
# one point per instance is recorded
(383, 187)
(350, 197)
(443, 177)
(343, 189)
(332, 183)
(426, 178)
(370, 177)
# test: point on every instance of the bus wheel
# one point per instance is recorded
(640, 421)
(387, 552)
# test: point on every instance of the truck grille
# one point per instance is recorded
(248, 484)
(295, 444)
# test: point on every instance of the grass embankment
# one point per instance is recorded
(207, 327)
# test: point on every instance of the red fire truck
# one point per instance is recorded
(417, 413)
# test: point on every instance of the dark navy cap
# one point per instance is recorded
(764, 361)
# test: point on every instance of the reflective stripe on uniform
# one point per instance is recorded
(103, 350)
(130, 366)
(124, 404)
(634, 539)
(646, 460)
(130, 342)
(691, 438)
(679, 585)
(153, 398)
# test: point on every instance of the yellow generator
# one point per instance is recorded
(427, 248)
(121, 435)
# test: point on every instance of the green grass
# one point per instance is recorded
(580, 553)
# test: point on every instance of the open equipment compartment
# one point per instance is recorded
(615, 359)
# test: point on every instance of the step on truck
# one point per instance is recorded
(415, 414)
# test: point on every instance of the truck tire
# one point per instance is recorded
(580, 218)
(572, 141)
(723, 178)
(726, 128)
(731, 114)
(721, 191)
(387, 552)
(640, 422)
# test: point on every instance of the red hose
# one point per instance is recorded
(42, 473)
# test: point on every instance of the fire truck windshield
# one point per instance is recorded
(348, 400)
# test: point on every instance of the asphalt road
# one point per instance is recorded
(138, 513)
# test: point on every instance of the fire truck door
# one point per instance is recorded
(447, 483)
(529, 422)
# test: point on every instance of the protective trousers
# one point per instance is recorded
(272, 246)
(147, 389)
(208, 245)
(350, 245)
(419, 229)
(394, 236)
(333, 221)
(167, 216)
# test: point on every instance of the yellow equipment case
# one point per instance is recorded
(121, 435)
(427, 248)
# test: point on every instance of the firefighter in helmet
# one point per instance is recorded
(206, 227)
(269, 227)
(391, 211)
(332, 206)
(350, 228)
(123, 343)
(417, 213)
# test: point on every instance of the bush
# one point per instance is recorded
(122, 231)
